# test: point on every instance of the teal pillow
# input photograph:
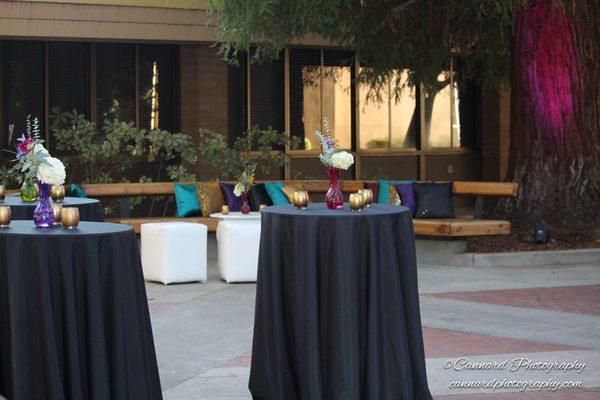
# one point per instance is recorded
(76, 191)
(187, 200)
(275, 193)
(383, 194)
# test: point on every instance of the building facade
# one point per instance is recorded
(154, 62)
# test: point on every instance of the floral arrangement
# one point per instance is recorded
(245, 181)
(330, 156)
(33, 160)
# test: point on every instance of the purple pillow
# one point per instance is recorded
(233, 202)
(374, 186)
(407, 196)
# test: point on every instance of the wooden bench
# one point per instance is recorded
(458, 227)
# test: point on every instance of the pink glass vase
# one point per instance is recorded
(245, 207)
(333, 198)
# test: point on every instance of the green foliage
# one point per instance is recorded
(258, 149)
(106, 155)
(422, 36)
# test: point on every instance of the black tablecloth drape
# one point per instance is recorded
(337, 307)
(74, 320)
(89, 209)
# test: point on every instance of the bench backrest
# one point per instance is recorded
(460, 188)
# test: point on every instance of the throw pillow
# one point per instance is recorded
(275, 193)
(234, 202)
(394, 196)
(187, 200)
(434, 200)
(210, 197)
(76, 191)
(407, 196)
(374, 186)
(257, 196)
(383, 194)
(290, 189)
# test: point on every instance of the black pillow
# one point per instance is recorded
(258, 195)
(434, 200)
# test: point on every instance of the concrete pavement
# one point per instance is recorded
(539, 316)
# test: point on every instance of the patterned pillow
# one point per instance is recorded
(434, 200)
(394, 198)
(210, 196)
(290, 189)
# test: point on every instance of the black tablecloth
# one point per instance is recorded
(74, 320)
(89, 209)
(337, 306)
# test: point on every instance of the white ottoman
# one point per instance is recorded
(239, 241)
(174, 252)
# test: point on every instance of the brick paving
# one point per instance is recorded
(203, 332)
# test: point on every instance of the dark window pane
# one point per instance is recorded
(22, 84)
(115, 82)
(157, 83)
(237, 94)
(305, 94)
(68, 71)
(267, 91)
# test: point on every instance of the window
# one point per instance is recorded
(390, 121)
(321, 87)
(22, 84)
(237, 98)
(156, 87)
(442, 113)
(267, 95)
(68, 76)
(115, 82)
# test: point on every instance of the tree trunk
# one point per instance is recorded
(555, 117)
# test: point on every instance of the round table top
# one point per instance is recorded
(321, 210)
(28, 228)
(15, 201)
(237, 215)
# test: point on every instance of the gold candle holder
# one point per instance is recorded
(262, 207)
(5, 216)
(368, 196)
(70, 217)
(300, 200)
(225, 210)
(57, 193)
(2, 193)
(356, 201)
(57, 211)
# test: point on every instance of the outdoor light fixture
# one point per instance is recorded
(542, 234)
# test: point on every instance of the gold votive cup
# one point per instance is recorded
(368, 196)
(70, 217)
(2, 193)
(300, 200)
(57, 211)
(262, 207)
(5, 216)
(57, 193)
(356, 201)
(225, 210)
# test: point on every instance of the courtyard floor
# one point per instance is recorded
(551, 314)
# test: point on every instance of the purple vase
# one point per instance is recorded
(43, 216)
(333, 198)
(245, 207)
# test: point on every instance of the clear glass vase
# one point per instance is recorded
(28, 191)
(43, 215)
(333, 198)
